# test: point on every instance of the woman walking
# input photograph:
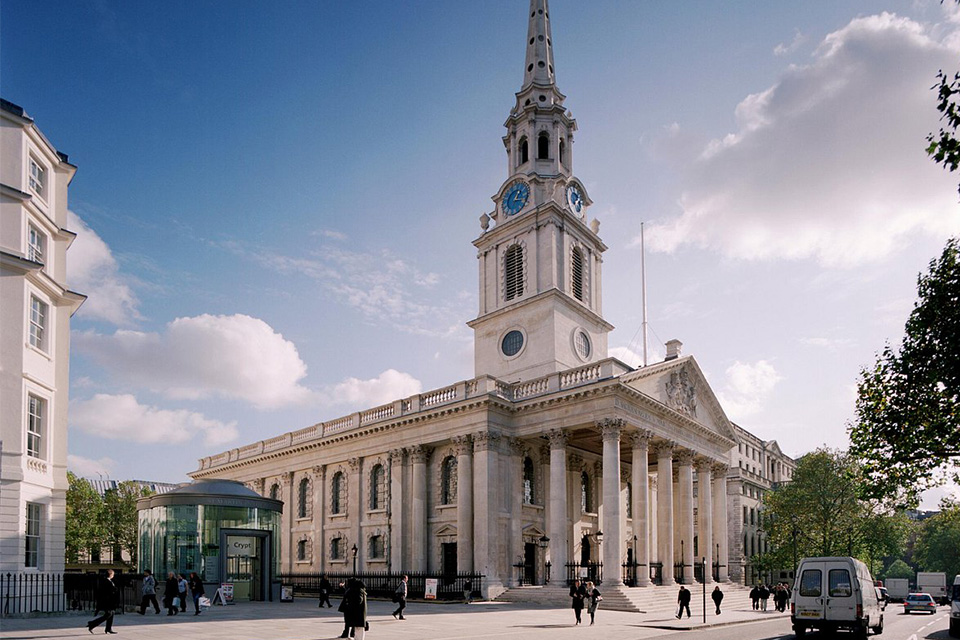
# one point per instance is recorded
(577, 593)
(594, 594)
(355, 608)
(108, 597)
(171, 594)
(196, 590)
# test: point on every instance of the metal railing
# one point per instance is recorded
(592, 571)
(29, 592)
(382, 584)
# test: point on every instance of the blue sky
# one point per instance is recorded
(276, 202)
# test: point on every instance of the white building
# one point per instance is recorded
(35, 311)
(551, 442)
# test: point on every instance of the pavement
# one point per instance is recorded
(302, 620)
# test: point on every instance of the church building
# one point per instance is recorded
(553, 452)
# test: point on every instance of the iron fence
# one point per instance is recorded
(592, 571)
(656, 573)
(382, 584)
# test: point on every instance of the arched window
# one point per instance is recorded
(629, 509)
(543, 146)
(275, 492)
(576, 273)
(563, 150)
(378, 488)
(586, 493)
(375, 548)
(338, 489)
(513, 272)
(303, 497)
(301, 550)
(529, 482)
(448, 480)
(523, 151)
(337, 549)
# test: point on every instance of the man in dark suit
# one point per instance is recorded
(108, 597)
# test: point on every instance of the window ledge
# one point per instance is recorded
(38, 350)
(442, 507)
(376, 511)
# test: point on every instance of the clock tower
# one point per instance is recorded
(539, 260)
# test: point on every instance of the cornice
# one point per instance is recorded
(552, 292)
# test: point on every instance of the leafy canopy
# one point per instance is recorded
(907, 429)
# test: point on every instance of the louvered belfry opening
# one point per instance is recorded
(513, 272)
(577, 271)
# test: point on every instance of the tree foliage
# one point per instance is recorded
(83, 520)
(907, 429)
(944, 147)
(938, 544)
(820, 513)
(899, 569)
(119, 518)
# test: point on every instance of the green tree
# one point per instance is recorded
(119, 519)
(907, 429)
(899, 569)
(944, 147)
(820, 513)
(83, 520)
(938, 543)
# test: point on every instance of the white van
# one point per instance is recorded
(835, 593)
(955, 609)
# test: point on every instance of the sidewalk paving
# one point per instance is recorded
(302, 620)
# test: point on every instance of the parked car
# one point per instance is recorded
(919, 602)
(835, 593)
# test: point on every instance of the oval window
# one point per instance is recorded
(512, 343)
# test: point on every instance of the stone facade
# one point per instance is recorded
(35, 311)
(552, 443)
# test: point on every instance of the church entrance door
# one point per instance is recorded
(529, 563)
(448, 565)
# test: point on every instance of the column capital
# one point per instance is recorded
(598, 467)
(318, 471)
(354, 463)
(286, 479)
(574, 462)
(485, 440)
(640, 438)
(720, 470)
(259, 485)
(610, 428)
(419, 454)
(664, 448)
(684, 457)
(624, 476)
(703, 465)
(544, 453)
(396, 455)
(515, 446)
(558, 438)
(462, 445)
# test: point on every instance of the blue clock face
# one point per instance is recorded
(575, 198)
(516, 197)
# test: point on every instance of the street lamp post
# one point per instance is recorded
(681, 562)
(354, 550)
(543, 542)
(599, 537)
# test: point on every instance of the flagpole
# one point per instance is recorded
(643, 293)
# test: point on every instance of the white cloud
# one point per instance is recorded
(829, 162)
(87, 468)
(783, 49)
(122, 417)
(92, 270)
(746, 388)
(230, 356)
(388, 386)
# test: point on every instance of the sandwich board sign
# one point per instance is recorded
(431, 591)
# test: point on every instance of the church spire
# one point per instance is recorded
(538, 67)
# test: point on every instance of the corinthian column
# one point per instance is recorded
(318, 480)
(685, 473)
(397, 543)
(705, 517)
(641, 489)
(486, 445)
(558, 503)
(610, 429)
(664, 451)
(720, 520)
(418, 456)
(464, 450)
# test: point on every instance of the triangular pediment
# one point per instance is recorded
(446, 530)
(680, 386)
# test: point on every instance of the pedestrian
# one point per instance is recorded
(354, 607)
(108, 598)
(784, 594)
(717, 596)
(171, 594)
(467, 590)
(149, 591)
(325, 592)
(764, 596)
(755, 597)
(182, 590)
(577, 593)
(594, 594)
(400, 597)
(196, 590)
(683, 599)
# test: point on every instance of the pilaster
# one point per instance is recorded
(397, 542)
